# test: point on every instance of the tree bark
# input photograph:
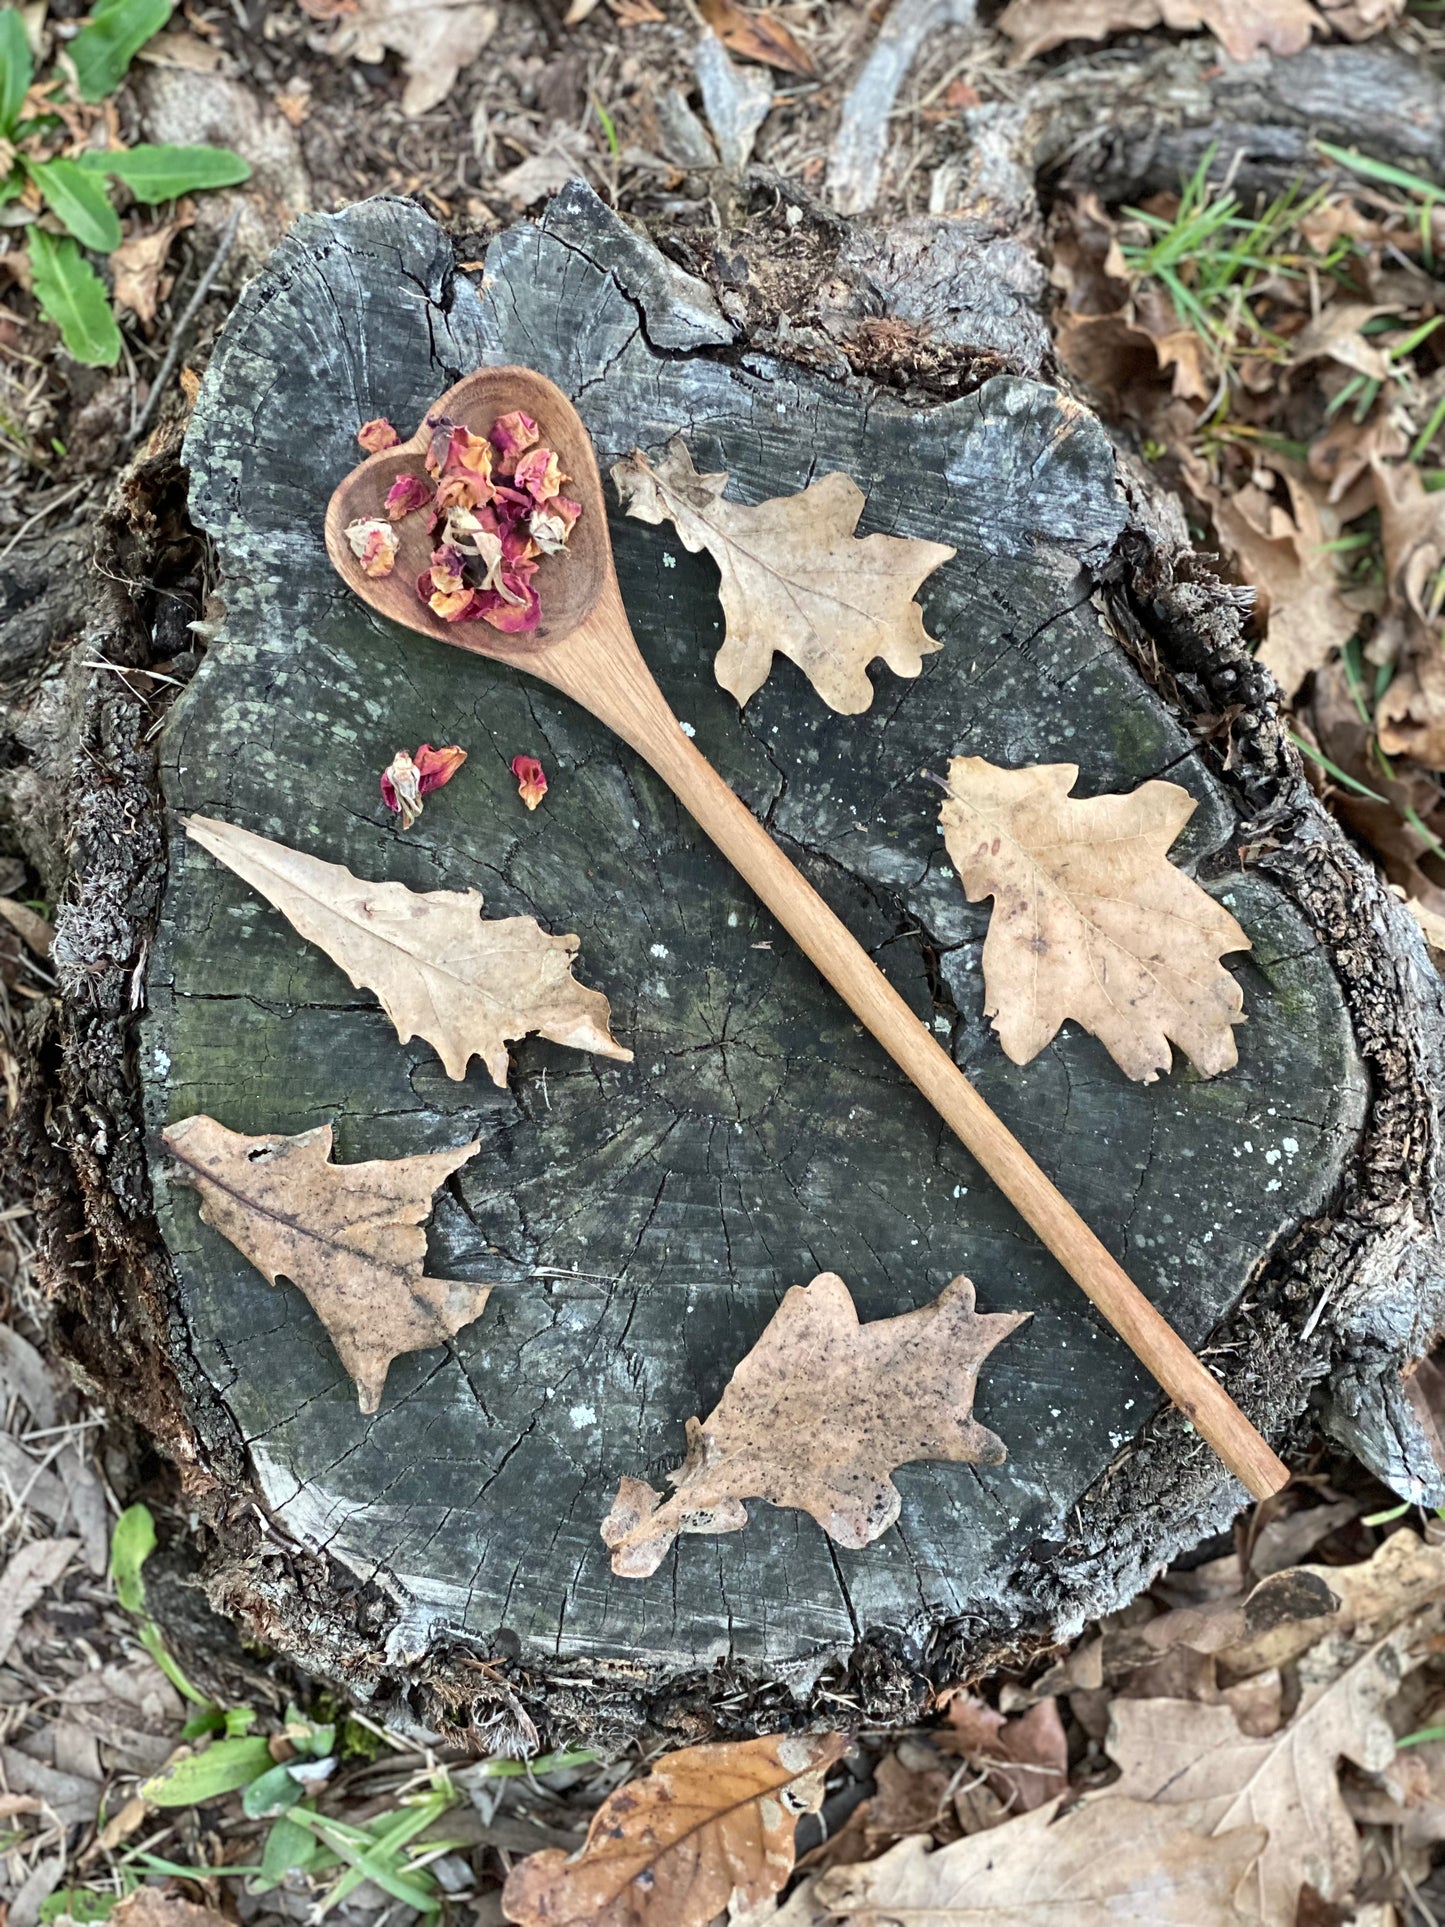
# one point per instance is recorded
(643, 1221)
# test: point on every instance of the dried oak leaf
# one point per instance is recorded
(347, 1235)
(1242, 27)
(468, 984)
(435, 38)
(1091, 920)
(756, 36)
(1026, 1759)
(795, 578)
(1410, 716)
(1107, 1863)
(817, 1416)
(708, 1825)
(136, 267)
(1174, 1751)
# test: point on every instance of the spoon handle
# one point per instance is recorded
(633, 705)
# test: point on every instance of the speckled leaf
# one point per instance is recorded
(796, 580)
(1090, 919)
(347, 1235)
(442, 971)
(817, 1416)
(707, 1825)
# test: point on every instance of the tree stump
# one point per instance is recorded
(642, 1221)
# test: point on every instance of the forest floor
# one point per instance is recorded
(1282, 367)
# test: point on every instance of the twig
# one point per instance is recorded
(855, 166)
(178, 336)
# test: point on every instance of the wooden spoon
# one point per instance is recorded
(584, 646)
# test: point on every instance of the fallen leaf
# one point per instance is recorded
(1037, 26)
(1346, 738)
(435, 38)
(1107, 1863)
(1090, 919)
(1242, 27)
(1343, 455)
(1026, 1759)
(37, 932)
(756, 36)
(467, 984)
(348, 1236)
(136, 267)
(162, 1907)
(578, 12)
(531, 780)
(795, 578)
(1334, 334)
(911, 1797)
(708, 1825)
(817, 1416)
(1175, 1751)
(29, 1573)
(1283, 556)
(1432, 922)
(636, 13)
(1410, 716)
(407, 779)
(1361, 19)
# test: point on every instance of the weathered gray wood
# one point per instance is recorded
(644, 1220)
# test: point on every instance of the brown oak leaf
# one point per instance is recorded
(1106, 1863)
(708, 1825)
(756, 36)
(796, 580)
(348, 1236)
(137, 265)
(1242, 27)
(1175, 1751)
(1091, 921)
(468, 984)
(817, 1416)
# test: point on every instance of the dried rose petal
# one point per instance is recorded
(377, 435)
(448, 569)
(406, 494)
(455, 454)
(407, 779)
(531, 780)
(512, 618)
(401, 788)
(550, 526)
(374, 544)
(450, 604)
(511, 434)
(540, 473)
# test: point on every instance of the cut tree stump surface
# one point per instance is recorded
(644, 1220)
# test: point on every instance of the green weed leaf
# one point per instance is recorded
(73, 295)
(131, 1544)
(118, 30)
(161, 173)
(16, 69)
(75, 194)
(79, 1904)
(274, 1792)
(224, 1766)
(288, 1849)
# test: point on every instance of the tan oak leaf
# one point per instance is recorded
(348, 1236)
(1107, 1863)
(817, 1416)
(1242, 27)
(795, 578)
(468, 984)
(1174, 1751)
(1091, 921)
(708, 1825)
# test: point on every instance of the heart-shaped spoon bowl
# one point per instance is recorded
(571, 585)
